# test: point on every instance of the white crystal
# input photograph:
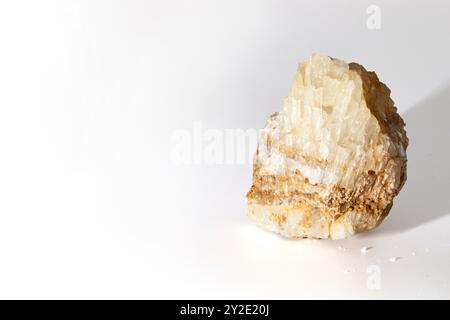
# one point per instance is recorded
(331, 161)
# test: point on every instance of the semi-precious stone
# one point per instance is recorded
(330, 162)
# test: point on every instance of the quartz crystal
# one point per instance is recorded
(329, 164)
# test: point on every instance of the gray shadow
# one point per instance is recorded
(426, 194)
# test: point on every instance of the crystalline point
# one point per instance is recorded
(329, 164)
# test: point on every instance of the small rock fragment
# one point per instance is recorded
(394, 259)
(365, 249)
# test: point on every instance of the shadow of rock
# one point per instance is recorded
(426, 194)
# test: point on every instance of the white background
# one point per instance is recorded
(92, 207)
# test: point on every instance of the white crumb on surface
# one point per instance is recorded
(394, 259)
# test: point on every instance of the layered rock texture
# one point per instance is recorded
(329, 164)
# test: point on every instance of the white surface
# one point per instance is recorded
(90, 205)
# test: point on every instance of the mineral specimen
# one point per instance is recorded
(329, 164)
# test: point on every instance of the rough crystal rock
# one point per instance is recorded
(329, 164)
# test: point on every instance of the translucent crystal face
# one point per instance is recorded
(334, 156)
(327, 124)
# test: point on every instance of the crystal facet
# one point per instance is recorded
(329, 164)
